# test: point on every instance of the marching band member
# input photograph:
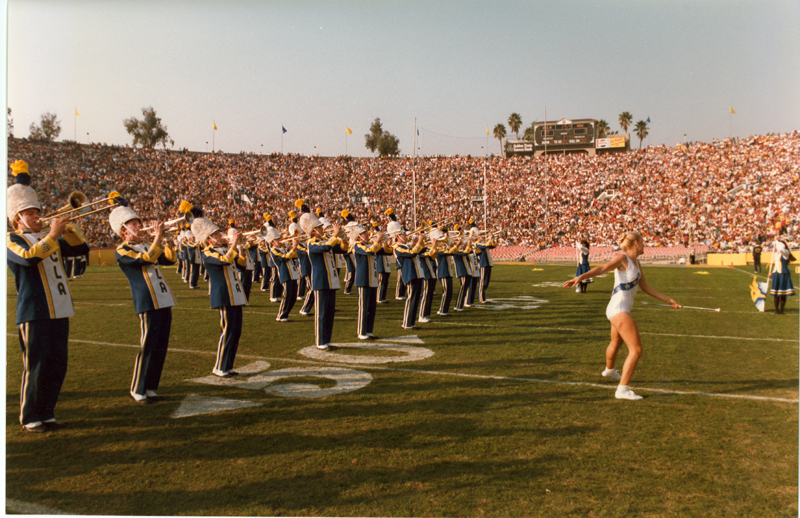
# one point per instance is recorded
(288, 275)
(275, 286)
(400, 288)
(366, 277)
(486, 263)
(225, 291)
(350, 265)
(474, 266)
(583, 265)
(185, 256)
(295, 230)
(445, 271)
(305, 265)
(324, 276)
(428, 261)
(411, 270)
(384, 270)
(152, 298)
(461, 258)
(177, 240)
(195, 260)
(44, 302)
(263, 257)
(245, 270)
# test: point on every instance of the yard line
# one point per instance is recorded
(460, 374)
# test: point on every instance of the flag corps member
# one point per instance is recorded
(44, 303)
(225, 291)
(152, 298)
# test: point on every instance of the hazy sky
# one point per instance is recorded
(458, 67)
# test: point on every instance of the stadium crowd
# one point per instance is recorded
(720, 195)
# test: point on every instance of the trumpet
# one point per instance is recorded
(77, 202)
(186, 218)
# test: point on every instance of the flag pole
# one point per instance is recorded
(75, 126)
(414, 176)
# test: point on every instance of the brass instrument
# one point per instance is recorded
(186, 218)
(76, 197)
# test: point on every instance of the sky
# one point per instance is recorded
(448, 70)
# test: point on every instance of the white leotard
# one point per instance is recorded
(622, 300)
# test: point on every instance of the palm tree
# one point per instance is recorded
(625, 120)
(641, 131)
(500, 134)
(515, 123)
(602, 128)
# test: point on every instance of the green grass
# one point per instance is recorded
(476, 429)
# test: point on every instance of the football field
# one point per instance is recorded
(499, 410)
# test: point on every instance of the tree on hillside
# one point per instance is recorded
(380, 141)
(625, 120)
(48, 129)
(10, 125)
(641, 131)
(149, 131)
(515, 123)
(500, 133)
(602, 128)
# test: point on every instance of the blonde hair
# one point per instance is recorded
(628, 239)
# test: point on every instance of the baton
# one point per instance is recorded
(684, 307)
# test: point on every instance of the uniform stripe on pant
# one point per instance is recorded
(426, 300)
(473, 287)
(230, 322)
(367, 304)
(400, 290)
(288, 299)
(383, 286)
(486, 275)
(324, 309)
(413, 291)
(44, 359)
(447, 295)
(155, 328)
(308, 302)
(466, 280)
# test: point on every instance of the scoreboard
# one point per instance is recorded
(564, 135)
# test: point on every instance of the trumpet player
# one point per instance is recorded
(263, 256)
(462, 261)
(384, 271)
(44, 302)
(305, 267)
(428, 261)
(324, 276)
(474, 266)
(485, 263)
(400, 288)
(408, 253)
(194, 258)
(152, 297)
(350, 265)
(288, 274)
(225, 291)
(366, 277)
(445, 270)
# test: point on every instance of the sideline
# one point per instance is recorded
(609, 386)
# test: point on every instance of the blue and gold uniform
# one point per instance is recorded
(152, 301)
(288, 274)
(324, 282)
(226, 294)
(485, 264)
(462, 261)
(412, 274)
(445, 271)
(44, 305)
(366, 281)
(305, 273)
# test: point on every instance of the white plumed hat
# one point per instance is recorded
(308, 222)
(436, 234)
(21, 195)
(295, 229)
(394, 228)
(272, 234)
(354, 230)
(119, 217)
(202, 228)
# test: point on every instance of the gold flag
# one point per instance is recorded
(348, 130)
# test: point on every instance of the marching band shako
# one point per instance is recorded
(159, 289)
(56, 286)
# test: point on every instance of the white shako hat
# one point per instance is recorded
(119, 217)
(272, 234)
(436, 234)
(188, 234)
(354, 230)
(295, 229)
(308, 222)
(21, 195)
(325, 222)
(202, 228)
(474, 232)
(394, 228)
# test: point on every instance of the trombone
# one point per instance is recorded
(77, 202)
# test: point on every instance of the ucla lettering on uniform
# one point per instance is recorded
(164, 288)
(61, 289)
(55, 269)
(238, 288)
(54, 258)
(158, 273)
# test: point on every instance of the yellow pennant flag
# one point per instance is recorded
(348, 130)
(76, 112)
(733, 112)
(487, 130)
(215, 126)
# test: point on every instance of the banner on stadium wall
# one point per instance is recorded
(613, 142)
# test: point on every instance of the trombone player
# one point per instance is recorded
(44, 302)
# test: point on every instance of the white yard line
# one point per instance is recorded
(609, 386)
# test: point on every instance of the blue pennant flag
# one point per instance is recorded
(284, 129)
(648, 120)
